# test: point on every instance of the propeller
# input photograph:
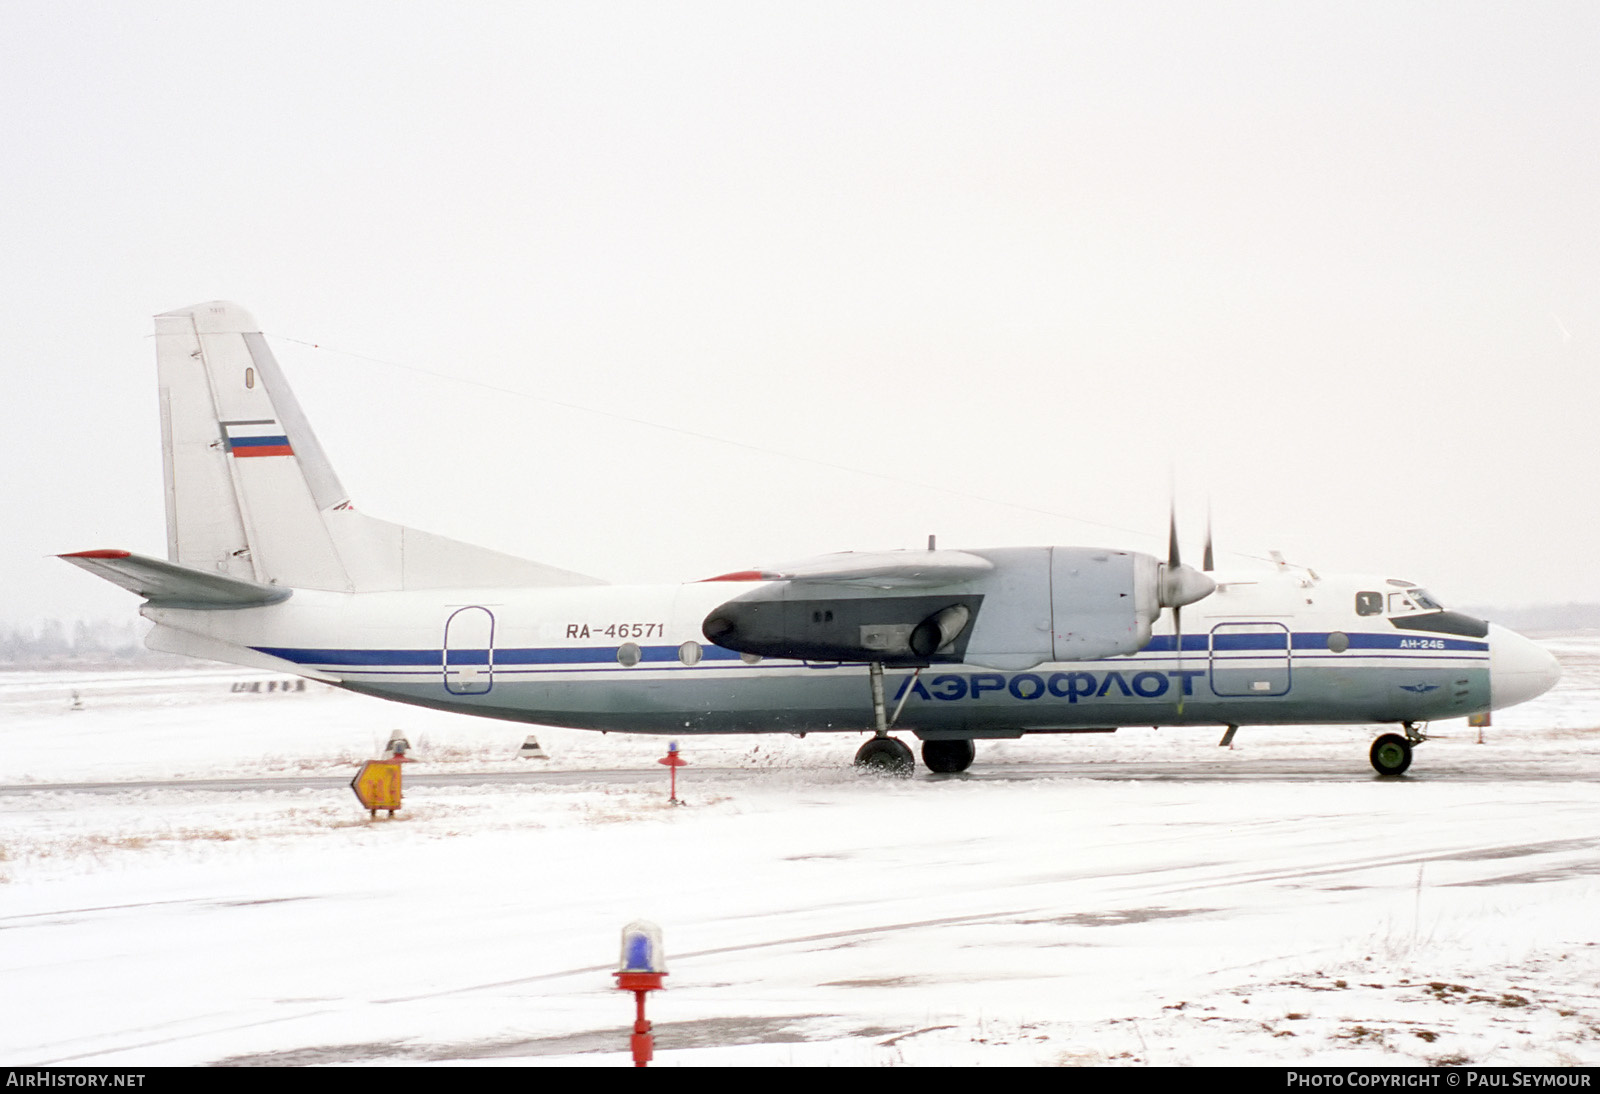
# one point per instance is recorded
(1182, 585)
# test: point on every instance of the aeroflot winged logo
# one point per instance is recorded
(264, 437)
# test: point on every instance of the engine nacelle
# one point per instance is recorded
(798, 620)
(1102, 603)
(1034, 604)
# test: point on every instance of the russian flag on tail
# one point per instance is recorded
(258, 438)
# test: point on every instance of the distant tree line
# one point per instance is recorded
(55, 641)
(1545, 619)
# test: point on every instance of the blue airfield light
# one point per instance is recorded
(642, 951)
(643, 965)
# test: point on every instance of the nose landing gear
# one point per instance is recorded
(1391, 753)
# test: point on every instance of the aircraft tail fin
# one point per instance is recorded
(252, 496)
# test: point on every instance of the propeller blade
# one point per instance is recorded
(1182, 585)
(1208, 562)
(1177, 630)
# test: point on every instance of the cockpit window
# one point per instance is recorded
(1413, 600)
(1369, 603)
(1422, 600)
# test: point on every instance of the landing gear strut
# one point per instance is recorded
(883, 753)
(880, 719)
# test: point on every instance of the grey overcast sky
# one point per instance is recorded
(973, 269)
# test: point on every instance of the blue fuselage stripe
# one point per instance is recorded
(1268, 644)
(435, 657)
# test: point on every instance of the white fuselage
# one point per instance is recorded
(1267, 647)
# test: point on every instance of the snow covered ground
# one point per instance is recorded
(1140, 898)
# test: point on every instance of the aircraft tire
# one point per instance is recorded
(886, 756)
(948, 757)
(1391, 754)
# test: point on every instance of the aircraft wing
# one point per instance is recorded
(882, 569)
(173, 585)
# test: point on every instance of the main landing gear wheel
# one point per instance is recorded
(886, 756)
(1391, 754)
(948, 757)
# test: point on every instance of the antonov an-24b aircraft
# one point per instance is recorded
(269, 566)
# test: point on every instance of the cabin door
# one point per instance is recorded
(469, 651)
(1249, 659)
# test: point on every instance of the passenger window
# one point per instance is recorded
(1369, 603)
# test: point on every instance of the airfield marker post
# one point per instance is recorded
(640, 971)
(673, 762)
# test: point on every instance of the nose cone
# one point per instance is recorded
(1519, 669)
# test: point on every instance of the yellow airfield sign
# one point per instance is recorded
(377, 785)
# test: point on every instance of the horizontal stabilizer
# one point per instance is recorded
(877, 569)
(174, 585)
